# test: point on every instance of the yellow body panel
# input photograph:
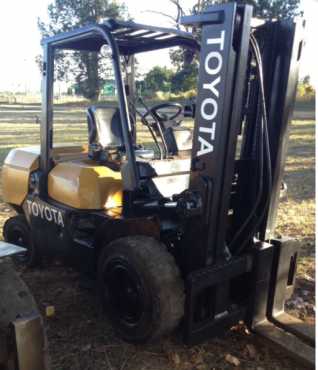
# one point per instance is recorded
(83, 184)
(16, 171)
(74, 181)
(62, 152)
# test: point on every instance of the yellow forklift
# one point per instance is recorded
(182, 233)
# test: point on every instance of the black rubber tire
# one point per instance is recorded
(158, 279)
(17, 231)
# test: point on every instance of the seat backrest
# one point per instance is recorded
(104, 127)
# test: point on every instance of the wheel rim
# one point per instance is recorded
(18, 236)
(124, 292)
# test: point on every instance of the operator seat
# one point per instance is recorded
(104, 130)
(105, 134)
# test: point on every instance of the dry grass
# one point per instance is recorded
(296, 216)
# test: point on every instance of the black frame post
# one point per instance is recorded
(222, 77)
(131, 92)
(124, 111)
(46, 130)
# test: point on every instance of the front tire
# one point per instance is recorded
(16, 230)
(141, 288)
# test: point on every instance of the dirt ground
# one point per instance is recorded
(80, 336)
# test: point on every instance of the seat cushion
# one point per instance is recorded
(104, 127)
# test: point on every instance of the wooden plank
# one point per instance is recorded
(31, 344)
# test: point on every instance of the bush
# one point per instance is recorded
(305, 92)
(161, 95)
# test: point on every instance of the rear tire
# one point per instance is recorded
(141, 288)
(16, 230)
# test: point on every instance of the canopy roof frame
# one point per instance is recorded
(130, 37)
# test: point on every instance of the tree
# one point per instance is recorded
(272, 9)
(158, 79)
(84, 68)
(266, 9)
(305, 80)
(185, 78)
(305, 89)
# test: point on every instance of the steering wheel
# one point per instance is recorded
(164, 116)
(159, 118)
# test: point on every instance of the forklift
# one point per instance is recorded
(181, 234)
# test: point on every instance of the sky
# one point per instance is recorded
(20, 38)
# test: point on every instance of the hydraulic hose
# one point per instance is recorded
(264, 138)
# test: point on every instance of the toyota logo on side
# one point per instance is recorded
(45, 212)
(209, 107)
